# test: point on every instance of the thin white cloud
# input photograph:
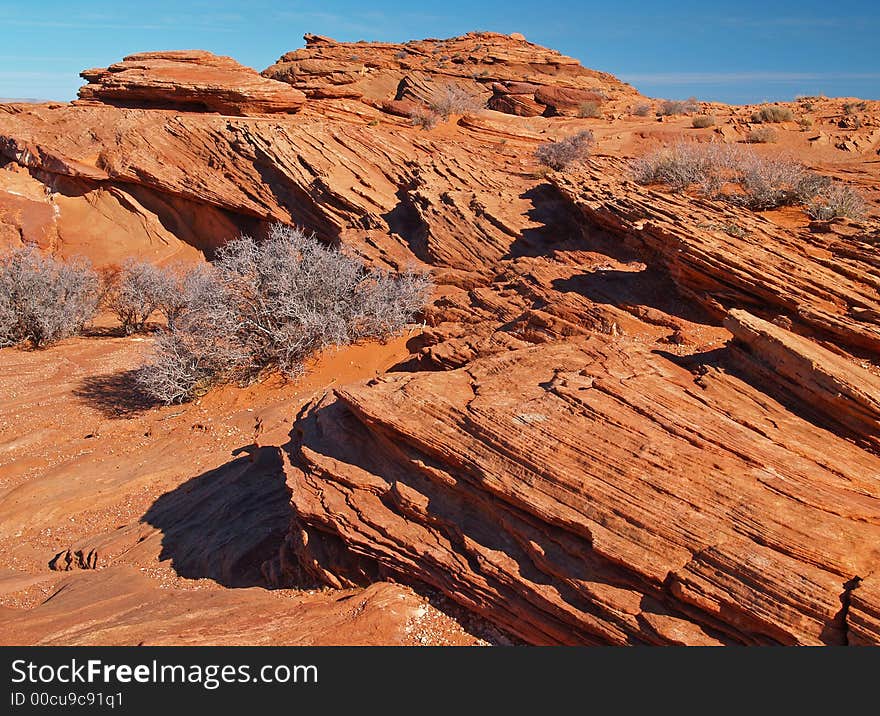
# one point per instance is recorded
(671, 78)
(29, 75)
(164, 26)
(802, 22)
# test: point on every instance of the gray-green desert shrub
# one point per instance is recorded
(742, 177)
(44, 299)
(837, 200)
(559, 155)
(269, 306)
(772, 113)
(701, 121)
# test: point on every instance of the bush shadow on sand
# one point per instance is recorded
(115, 395)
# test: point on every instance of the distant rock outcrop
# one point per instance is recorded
(511, 74)
(190, 80)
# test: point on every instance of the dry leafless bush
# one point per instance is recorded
(136, 291)
(42, 299)
(8, 320)
(684, 164)
(271, 305)
(837, 200)
(763, 182)
(424, 117)
(770, 182)
(387, 302)
(184, 288)
(669, 107)
(199, 351)
(561, 154)
(642, 110)
(589, 109)
(702, 121)
(454, 99)
(770, 114)
(761, 135)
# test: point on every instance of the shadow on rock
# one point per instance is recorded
(116, 395)
(225, 523)
(649, 288)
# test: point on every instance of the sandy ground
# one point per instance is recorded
(84, 464)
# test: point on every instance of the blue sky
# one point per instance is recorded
(742, 51)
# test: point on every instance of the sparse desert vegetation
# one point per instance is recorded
(761, 135)
(762, 182)
(670, 107)
(136, 290)
(44, 299)
(772, 114)
(686, 164)
(589, 109)
(702, 121)
(424, 117)
(561, 154)
(260, 305)
(837, 200)
(454, 99)
(269, 306)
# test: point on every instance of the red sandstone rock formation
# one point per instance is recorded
(190, 80)
(632, 416)
(508, 73)
(591, 492)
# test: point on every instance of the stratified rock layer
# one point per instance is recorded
(191, 80)
(592, 492)
(630, 416)
(486, 65)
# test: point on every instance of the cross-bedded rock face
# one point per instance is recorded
(631, 416)
(506, 72)
(191, 80)
(592, 491)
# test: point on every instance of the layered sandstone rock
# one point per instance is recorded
(495, 68)
(630, 416)
(592, 492)
(190, 80)
(725, 257)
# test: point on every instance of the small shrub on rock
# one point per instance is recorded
(669, 107)
(702, 121)
(588, 110)
(561, 154)
(454, 99)
(424, 117)
(837, 201)
(269, 306)
(685, 164)
(42, 299)
(741, 177)
(761, 135)
(770, 114)
(805, 123)
(642, 110)
(770, 182)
